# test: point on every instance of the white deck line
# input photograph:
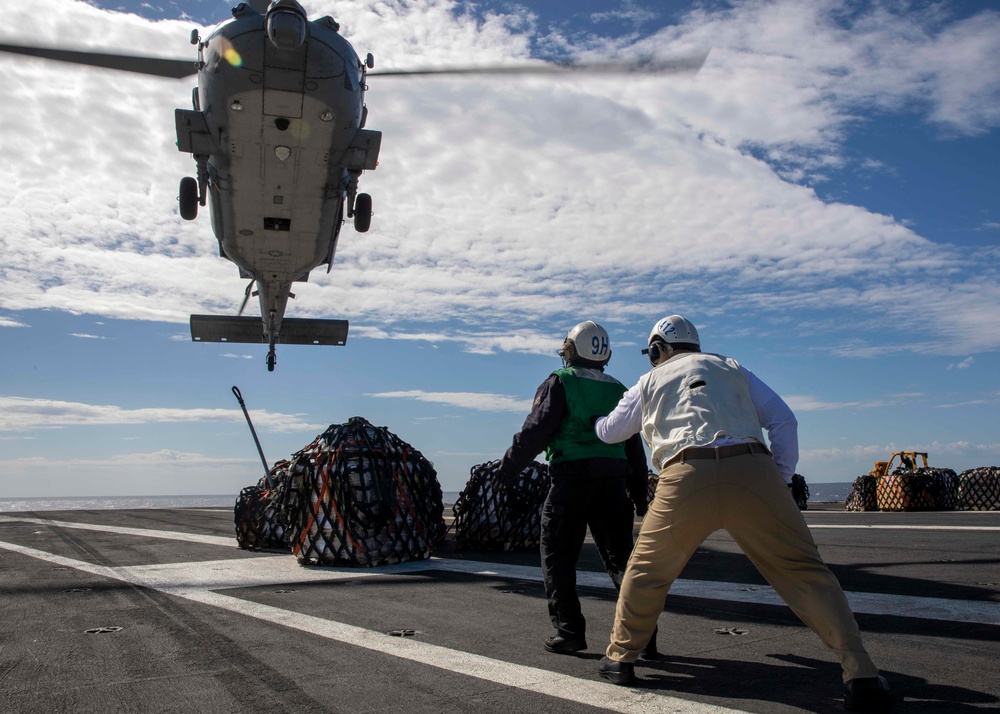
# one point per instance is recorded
(284, 568)
(588, 692)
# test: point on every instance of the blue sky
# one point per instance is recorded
(821, 200)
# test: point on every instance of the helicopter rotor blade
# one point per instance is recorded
(688, 64)
(155, 66)
(246, 298)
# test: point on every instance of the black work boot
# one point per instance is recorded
(867, 694)
(565, 644)
(616, 672)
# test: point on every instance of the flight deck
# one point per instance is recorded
(158, 610)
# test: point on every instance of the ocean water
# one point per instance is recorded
(817, 492)
(86, 503)
(827, 492)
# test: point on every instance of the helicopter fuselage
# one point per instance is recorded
(277, 132)
(277, 135)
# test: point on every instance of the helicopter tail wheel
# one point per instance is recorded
(271, 359)
(362, 212)
(188, 198)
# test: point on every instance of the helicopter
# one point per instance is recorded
(277, 131)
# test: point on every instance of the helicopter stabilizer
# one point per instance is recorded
(294, 331)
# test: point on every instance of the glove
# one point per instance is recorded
(800, 492)
(518, 502)
(507, 476)
(638, 493)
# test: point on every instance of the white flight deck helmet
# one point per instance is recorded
(672, 330)
(589, 342)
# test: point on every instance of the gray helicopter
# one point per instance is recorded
(277, 132)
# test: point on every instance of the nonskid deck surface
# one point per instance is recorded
(159, 611)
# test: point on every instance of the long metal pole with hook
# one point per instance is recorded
(243, 406)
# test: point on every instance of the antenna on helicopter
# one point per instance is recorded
(246, 297)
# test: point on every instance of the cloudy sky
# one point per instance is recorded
(821, 200)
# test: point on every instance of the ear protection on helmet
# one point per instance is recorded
(655, 351)
(568, 351)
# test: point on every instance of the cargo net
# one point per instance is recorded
(923, 489)
(358, 495)
(864, 494)
(489, 516)
(979, 489)
(257, 513)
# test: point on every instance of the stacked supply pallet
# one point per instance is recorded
(491, 516)
(257, 513)
(370, 499)
(979, 489)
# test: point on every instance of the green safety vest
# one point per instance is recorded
(589, 393)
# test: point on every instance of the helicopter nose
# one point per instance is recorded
(286, 28)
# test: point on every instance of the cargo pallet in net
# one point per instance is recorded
(979, 489)
(922, 489)
(358, 495)
(927, 489)
(489, 516)
(257, 513)
(863, 495)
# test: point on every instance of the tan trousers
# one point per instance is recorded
(746, 496)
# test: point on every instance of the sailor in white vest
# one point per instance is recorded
(702, 416)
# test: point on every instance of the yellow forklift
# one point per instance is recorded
(907, 460)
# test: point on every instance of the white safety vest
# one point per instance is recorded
(693, 399)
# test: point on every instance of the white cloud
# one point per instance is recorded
(804, 403)
(474, 342)
(478, 401)
(628, 11)
(86, 336)
(20, 414)
(138, 474)
(10, 322)
(165, 456)
(937, 452)
(964, 364)
(987, 398)
(846, 463)
(505, 207)
(800, 403)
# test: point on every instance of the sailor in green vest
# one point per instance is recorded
(593, 484)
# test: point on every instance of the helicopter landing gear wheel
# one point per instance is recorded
(271, 359)
(188, 198)
(362, 212)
